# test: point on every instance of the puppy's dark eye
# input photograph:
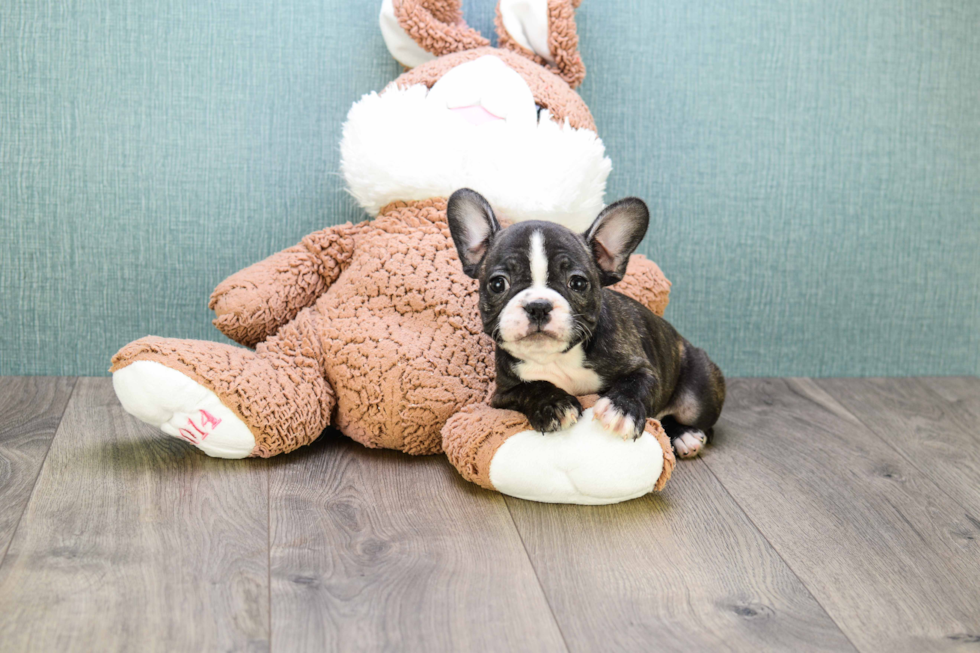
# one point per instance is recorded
(497, 284)
(578, 283)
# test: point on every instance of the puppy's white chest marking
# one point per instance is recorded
(566, 371)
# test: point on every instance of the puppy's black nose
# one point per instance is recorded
(538, 311)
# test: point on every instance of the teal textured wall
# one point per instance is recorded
(813, 167)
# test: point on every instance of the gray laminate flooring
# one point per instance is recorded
(827, 514)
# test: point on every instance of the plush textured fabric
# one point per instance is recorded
(472, 455)
(375, 328)
(279, 390)
(396, 146)
(562, 42)
(372, 328)
(437, 26)
(558, 98)
(250, 305)
(645, 282)
(811, 167)
(403, 333)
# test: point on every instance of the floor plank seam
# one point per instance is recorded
(40, 468)
(537, 578)
(781, 556)
(884, 541)
(901, 454)
(268, 542)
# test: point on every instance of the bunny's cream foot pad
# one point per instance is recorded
(183, 408)
(584, 464)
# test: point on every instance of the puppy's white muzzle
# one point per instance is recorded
(525, 337)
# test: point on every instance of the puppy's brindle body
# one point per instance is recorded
(560, 332)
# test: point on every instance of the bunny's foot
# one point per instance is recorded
(183, 408)
(584, 464)
(228, 401)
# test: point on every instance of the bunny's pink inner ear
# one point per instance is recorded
(543, 31)
(437, 26)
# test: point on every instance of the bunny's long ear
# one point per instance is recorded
(417, 31)
(544, 32)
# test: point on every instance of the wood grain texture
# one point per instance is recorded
(825, 513)
(376, 550)
(937, 437)
(133, 541)
(890, 556)
(681, 571)
(962, 391)
(30, 411)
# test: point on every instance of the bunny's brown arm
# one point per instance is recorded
(253, 303)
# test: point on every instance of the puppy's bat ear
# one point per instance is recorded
(473, 225)
(615, 234)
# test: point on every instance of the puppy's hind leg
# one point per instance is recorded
(686, 440)
(696, 403)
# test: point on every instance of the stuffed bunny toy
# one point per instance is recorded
(373, 328)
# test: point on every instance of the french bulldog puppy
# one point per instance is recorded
(561, 333)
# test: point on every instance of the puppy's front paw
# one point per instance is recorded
(624, 417)
(555, 415)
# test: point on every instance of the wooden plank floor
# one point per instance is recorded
(827, 515)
